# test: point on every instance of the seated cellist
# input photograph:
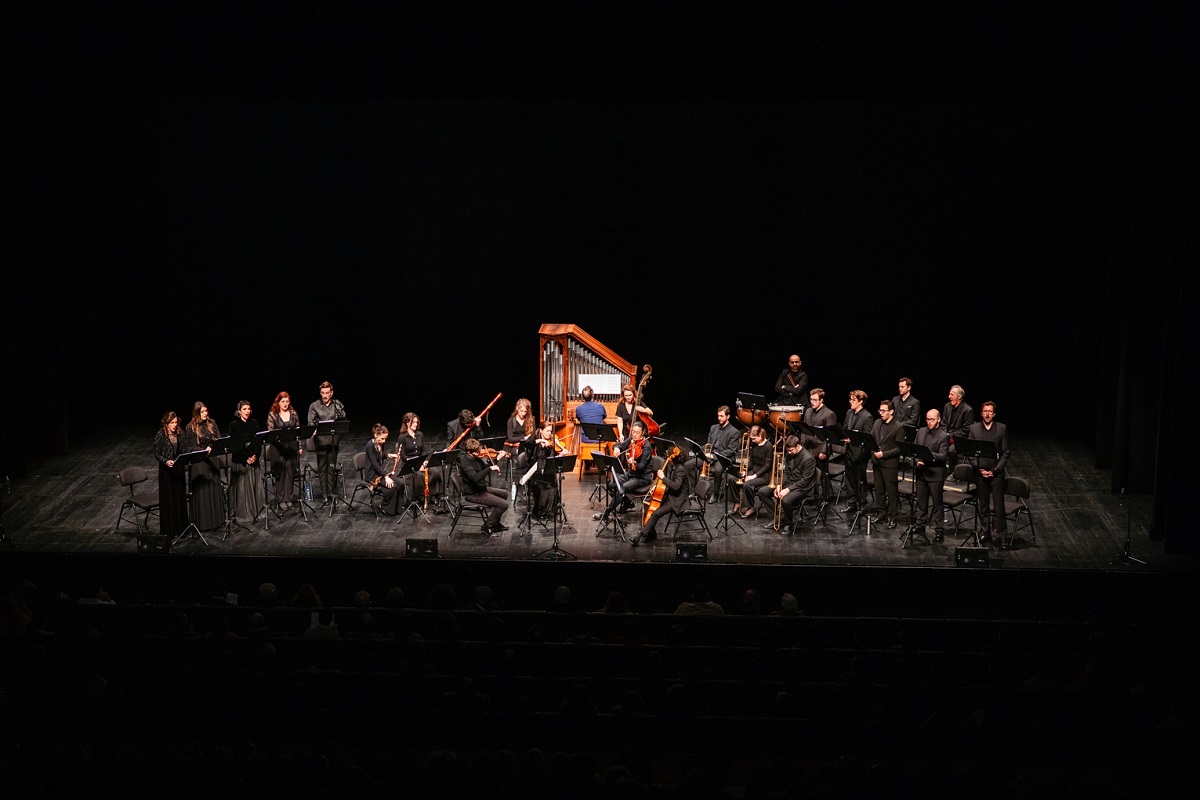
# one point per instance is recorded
(676, 481)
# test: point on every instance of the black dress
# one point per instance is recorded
(208, 496)
(287, 456)
(172, 490)
(245, 484)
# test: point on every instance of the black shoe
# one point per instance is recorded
(634, 541)
(786, 530)
(984, 538)
(849, 508)
(878, 518)
(939, 535)
(486, 530)
(499, 527)
(626, 506)
(325, 501)
(891, 524)
(600, 517)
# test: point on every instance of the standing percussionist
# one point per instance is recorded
(888, 433)
(759, 462)
(800, 477)
(989, 492)
(477, 471)
(324, 410)
(931, 477)
(637, 477)
(792, 385)
(857, 419)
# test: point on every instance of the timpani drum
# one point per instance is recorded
(782, 415)
(749, 417)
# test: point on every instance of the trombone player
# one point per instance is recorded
(799, 480)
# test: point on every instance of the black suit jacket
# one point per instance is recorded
(886, 437)
(999, 436)
(938, 442)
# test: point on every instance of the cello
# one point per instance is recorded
(652, 427)
(655, 498)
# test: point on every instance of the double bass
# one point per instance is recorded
(652, 427)
(655, 498)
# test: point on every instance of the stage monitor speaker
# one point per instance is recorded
(153, 543)
(691, 551)
(421, 548)
(971, 557)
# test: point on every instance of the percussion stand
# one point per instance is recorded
(556, 467)
(186, 460)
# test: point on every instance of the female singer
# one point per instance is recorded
(287, 462)
(172, 488)
(245, 485)
(412, 444)
(208, 496)
(379, 466)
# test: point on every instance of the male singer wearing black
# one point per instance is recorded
(888, 432)
(791, 388)
(957, 417)
(989, 492)
(800, 477)
(323, 410)
(378, 466)
(723, 439)
(637, 478)
(476, 487)
(931, 477)
(857, 419)
(678, 482)
(908, 408)
(758, 470)
(818, 415)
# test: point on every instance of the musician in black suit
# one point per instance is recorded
(454, 428)
(908, 408)
(678, 483)
(791, 387)
(957, 417)
(378, 466)
(637, 477)
(857, 419)
(723, 439)
(759, 462)
(800, 478)
(477, 469)
(888, 432)
(989, 492)
(818, 415)
(931, 477)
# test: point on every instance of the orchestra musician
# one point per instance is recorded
(172, 483)
(989, 491)
(678, 483)
(544, 445)
(323, 410)
(463, 422)
(379, 466)
(412, 444)
(589, 412)
(520, 429)
(759, 461)
(800, 477)
(628, 410)
(723, 439)
(888, 432)
(857, 419)
(637, 477)
(477, 467)
(931, 478)
(791, 386)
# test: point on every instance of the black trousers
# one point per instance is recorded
(494, 498)
(927, 489)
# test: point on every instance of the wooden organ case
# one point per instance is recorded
(570, 359)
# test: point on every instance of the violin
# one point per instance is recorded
(490, 452)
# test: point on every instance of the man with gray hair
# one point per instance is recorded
(957, 418)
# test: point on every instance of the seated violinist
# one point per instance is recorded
(542, 486)
(477, 467)
(637, 477)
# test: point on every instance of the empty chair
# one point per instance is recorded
(1016, 497)
(693, 511)
(364, 486)
(139, 500)
(955, 503)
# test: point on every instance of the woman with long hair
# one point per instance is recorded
(207, 502)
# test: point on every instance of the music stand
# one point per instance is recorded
(437, 460)
(865, 442)
(917, 452)
(612, 466)
(754, 402)
(973, 450)
(257, 442)
(303, 477)
(272, 439)
(828, 434)
(556, 467)
(186, 460)
(412, 466)
(728, 516)
(536, 475)
(606, 437)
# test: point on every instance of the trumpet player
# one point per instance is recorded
(799, 481)
(756, 470)
(723, 439)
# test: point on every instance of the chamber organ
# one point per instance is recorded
(572, 359)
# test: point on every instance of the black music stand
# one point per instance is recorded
(438, 460)
(973, 450)
(606, 436)
(257, 444)
(273, 438)
(753, 402)
(412, 467)
(866, 444)
(555, 467)
(186, 460)
(612, 466)
(303, 477)
(328, 436)
(916, 452)
(728, 516)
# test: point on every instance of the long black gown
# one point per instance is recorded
(247, 495)
(208, 496)
(172, 490)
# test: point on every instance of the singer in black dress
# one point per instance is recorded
(247, 496)
(172, 488)
(286, 464)
(208, 495)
